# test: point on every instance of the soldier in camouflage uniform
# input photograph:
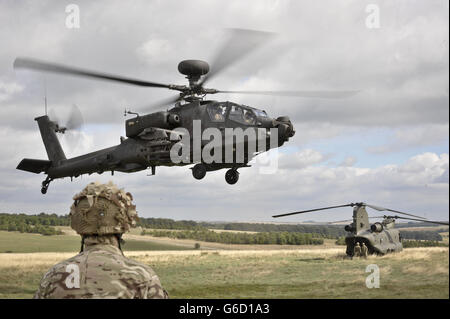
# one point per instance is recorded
(364, 250)
(357, 250)
(101, 213)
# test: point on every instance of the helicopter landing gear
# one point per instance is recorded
(232, 176)
(199, 171)
(45, 185)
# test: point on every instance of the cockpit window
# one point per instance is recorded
(260, 113)
(217, 112)
(242, 115)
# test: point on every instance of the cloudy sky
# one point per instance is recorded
(387, 145)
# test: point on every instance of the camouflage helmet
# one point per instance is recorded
(101, 209)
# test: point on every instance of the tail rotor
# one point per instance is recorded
(71, 127)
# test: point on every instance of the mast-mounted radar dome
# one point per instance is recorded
(193, 68)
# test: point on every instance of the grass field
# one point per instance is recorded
(308, 273)
(239, 271)
(15, 242)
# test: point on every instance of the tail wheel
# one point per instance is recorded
(232, 176)
(199, 171)
(45, 185)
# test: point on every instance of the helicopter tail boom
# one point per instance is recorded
(54, 150)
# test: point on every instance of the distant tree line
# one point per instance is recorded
(166, 223)
(263, 238)
(325, 231)
(38, 224)
(414, 224)
(421, 235)
(43, 224)
(422, 243)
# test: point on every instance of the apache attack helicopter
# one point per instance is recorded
(148, 144)
(378, 238)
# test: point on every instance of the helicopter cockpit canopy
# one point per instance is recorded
(217, 112)
(238, 113)
(259, 113)
(242, 115)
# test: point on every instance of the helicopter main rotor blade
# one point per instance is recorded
(32, 64)
(391, 210)
(419, 220)
(340, 221)
(240, 43)
(160, 103)
(313, 94)
(350, 220)
(313, 210)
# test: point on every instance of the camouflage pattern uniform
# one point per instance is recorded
(101, 213)
(364, 250)
(357, 250)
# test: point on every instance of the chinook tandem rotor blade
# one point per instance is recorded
(33, 64)
(240, 43)
(313, 94)
(340, 221)
(391, 210)
(419, 220)
(314, 210)
(350, 220)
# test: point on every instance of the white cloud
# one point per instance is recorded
(301, 159)
(153, 49)
(418, 186)
(402, 70)
(408, 137)
(7, 90)
(348, 161)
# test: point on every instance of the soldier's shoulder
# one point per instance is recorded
(132, 266)
(55, 276)
(109, 260)
(62, 266)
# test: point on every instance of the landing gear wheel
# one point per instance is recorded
(199, 171)
(232, 176)
(45, 185)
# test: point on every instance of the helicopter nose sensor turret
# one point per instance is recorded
(285, 129)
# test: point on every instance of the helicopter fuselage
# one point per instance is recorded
(379, 243)
(379, 238)
(151, 137)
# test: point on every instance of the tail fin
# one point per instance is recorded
(52, 146)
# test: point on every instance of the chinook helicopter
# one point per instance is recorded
(150, 137)
(378, 238)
